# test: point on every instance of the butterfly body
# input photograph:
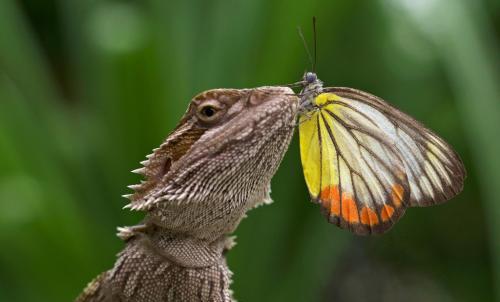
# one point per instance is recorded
(365, 162)
(313, 86)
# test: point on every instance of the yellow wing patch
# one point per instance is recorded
(310, 154)
(324, 98)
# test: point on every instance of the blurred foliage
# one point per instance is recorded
(87, 88)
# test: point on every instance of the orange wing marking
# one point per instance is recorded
(386, 212)
(349, 208)
(397, 194)
(330, 199)
(368, 216)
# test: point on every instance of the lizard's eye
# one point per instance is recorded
(209, 112)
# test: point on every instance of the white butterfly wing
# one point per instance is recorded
(434, 171)
(365, 162)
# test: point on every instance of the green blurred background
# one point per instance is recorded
(88, 88)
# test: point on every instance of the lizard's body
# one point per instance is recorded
(199, 184)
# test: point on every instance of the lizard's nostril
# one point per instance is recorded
(256, 97)
(261, 95)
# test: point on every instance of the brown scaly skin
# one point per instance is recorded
(215, 166)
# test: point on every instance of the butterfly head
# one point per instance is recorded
(311, 87)
(310, 78)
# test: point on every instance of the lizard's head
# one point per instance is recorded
(227, 138)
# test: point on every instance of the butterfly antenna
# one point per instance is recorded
(315, 44)
(299, 29)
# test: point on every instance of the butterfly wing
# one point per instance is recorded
(435, 171)
(365, 162)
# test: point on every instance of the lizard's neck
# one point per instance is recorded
(209, 220)
(185, 268)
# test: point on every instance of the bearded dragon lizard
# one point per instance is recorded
(215, 166)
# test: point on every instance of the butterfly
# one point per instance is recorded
(365, 161)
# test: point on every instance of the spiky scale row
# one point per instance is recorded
(137, 187)
(141, 171)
